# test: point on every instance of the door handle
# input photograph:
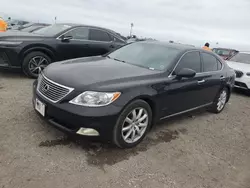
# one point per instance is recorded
(201, 81)
(112, 46)
(222, 77)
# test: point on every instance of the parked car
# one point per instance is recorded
(119, 96)
(241, 64)
(34, 51)
(225, 53)
(16, 33)
(15, 24)
(32, 28)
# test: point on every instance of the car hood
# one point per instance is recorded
(244, 67)
(19, 36)
(93, 71)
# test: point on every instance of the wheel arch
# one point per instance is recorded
(43, 48)
(148, 99)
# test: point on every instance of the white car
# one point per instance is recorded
(241, 65)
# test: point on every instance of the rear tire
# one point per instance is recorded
(133, 124)
(33, 61)
(220, 101)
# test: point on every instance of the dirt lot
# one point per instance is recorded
(202, 150)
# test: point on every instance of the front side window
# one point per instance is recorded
(191, 60)
(98, 35)
(80, 33)
(210, 63)
(241, 58)
(147, 55)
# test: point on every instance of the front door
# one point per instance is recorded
(186, 93)
(77, 46)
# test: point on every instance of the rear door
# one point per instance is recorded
(213, 75)
(101, 42)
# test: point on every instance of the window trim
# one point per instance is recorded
(222, 65)
(171, 74)
(109, 33)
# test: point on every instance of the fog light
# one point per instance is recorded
(87, 132)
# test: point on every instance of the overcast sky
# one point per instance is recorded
(187, 21)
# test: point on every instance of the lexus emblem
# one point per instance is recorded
(45, 87)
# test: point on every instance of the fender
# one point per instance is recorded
(43, 48)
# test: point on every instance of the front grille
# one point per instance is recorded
(51, 90)
(238, 73)
(4, 59)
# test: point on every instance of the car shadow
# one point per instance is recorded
(241, 92)
(100, 154)
(12, 73)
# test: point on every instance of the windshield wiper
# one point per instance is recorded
(119, 60)
(116, 59)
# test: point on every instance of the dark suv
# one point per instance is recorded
(33, 51)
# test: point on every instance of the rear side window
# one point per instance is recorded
(190, 60)
(98, 35)
(210, 63)
(80, 33)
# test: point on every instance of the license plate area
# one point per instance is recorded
(40, 107)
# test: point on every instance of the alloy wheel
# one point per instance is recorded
(37, 63)
(222, 100)
(135, 125)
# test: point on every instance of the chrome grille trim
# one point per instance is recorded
(55, 93)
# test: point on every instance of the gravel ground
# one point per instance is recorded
(192, 151)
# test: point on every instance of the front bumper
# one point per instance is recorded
(242, 82)
(9, 57)
(71, 118)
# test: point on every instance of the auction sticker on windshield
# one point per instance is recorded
(40, 107)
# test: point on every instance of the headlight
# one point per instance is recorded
(95, 99)
(248, 73)
(11, 43)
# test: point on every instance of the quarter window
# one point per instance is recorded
(210, 63)
(190, 60)
(98, 35)
(80, 33)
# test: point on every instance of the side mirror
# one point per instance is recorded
(66, 38)
(186, 73)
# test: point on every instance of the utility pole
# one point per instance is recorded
(132, 25)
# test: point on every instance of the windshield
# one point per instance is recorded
(241, 57)
(52, 30)
(148, 55)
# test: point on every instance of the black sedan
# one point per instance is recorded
(119, 96)
(34, 51)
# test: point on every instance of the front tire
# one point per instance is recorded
(220, 101)
(33, 62)
(133, 124)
